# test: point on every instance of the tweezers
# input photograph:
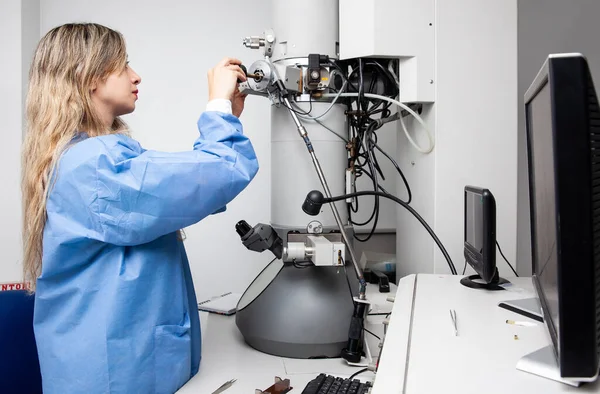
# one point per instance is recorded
(453, 317)
(224, 386)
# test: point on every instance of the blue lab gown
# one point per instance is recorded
(115, 308)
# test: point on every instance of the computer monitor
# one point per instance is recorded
(563, 137)
(480, 239)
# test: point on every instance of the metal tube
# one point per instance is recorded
(336, 215)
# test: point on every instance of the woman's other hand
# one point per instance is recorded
(237, 103)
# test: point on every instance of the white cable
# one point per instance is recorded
(403, 106)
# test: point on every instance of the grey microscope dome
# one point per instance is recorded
(297, 312)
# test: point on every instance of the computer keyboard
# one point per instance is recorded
(327, 384)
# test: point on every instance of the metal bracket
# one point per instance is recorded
(267, 41)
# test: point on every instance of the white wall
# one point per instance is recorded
(15, 23)
(549, 26)
(475, 122)
(30, 36)
(10, 112)
(172, 48)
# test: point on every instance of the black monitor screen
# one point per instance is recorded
(474, 220)
(544, 204)
(564, 193)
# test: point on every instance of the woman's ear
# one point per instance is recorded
(94, 85)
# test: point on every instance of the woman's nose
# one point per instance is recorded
(135, 78)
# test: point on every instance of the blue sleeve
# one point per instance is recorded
(134, 196)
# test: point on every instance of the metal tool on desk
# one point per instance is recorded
(453, 317)
(224, 386)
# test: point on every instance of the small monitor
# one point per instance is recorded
(563, 141)
(480, 239)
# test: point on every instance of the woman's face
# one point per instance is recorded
(118, 94)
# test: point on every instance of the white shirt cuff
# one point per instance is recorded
(219, 105)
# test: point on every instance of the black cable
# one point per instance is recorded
(367, 173)
(372, 85)
(409, 209)
(353, 206)
(375, 214)
(376, 206)
(385, 71)
(376, 336)
(347, 280)
(300, 111)
(375, 218)
(371, 142)
(360, 85)
(343, 74)
(377, 72)
(371, 160)
(388, 74)
(368, 220)
(505, 259)
(364, 159)
(358, 373)
(408, 201)
(302, 264)
(465, 267)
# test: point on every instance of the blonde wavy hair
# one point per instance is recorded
(68, 61)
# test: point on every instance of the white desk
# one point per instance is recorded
(226, 356)
(422, 355)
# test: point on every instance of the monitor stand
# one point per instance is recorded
(475, 282)
(528, 307)
(543, 363)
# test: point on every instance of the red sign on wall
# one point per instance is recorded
(15, 286)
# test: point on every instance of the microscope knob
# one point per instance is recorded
(242, 228)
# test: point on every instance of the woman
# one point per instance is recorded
(115, 308)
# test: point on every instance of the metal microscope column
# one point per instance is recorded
(292, 173)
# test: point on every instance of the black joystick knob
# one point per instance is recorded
(242, 228)
(245, 70)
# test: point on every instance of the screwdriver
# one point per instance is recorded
(253, 76)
